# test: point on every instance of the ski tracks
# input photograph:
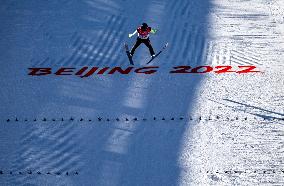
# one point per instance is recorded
(187, 42)
(243, 35)
(46, 148)
(101, 49)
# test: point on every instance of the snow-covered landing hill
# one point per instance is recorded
(159, 129)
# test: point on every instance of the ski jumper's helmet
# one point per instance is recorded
(144, 26)
(143, 31)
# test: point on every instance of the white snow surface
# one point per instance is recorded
(137, 129)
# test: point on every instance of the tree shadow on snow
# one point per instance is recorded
(125, 153)
(148, 152)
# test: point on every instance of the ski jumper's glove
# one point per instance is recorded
(130, 35)
(153, 31)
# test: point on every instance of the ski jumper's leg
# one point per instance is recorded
(148, 44)
(138, 42)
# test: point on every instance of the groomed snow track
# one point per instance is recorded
(139, 129)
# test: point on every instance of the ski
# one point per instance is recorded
(164, 47)
(128, 54)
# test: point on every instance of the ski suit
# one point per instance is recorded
(143, 37)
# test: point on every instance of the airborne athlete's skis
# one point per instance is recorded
(128, 54)
(165, 46)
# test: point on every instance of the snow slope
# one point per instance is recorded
(159, 129)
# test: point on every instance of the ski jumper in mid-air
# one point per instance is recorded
(143, 32)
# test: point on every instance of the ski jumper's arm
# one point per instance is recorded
(130, 35)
